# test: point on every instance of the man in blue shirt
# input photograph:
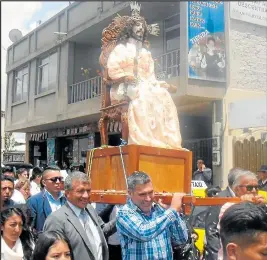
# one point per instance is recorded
(148, 230)
(49, 200)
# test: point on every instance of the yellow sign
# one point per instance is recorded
(198, 189)
(200, 242)
(199, 193)
(264, 194)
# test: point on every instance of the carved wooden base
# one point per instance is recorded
(118, 112)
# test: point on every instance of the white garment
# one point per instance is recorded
(93, 228)
(16, 253)
(263, 182)
(35, 188)
(17, 197)
(114, 239)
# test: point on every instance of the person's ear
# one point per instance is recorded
(130, 193)
(231, 251)
(66, 193)
(43, 182)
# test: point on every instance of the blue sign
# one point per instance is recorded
(206, 41)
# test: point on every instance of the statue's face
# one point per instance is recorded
(138, 30)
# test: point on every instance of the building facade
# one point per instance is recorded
(53, 88)
(2, 134)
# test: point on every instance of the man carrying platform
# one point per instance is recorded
(148, 230)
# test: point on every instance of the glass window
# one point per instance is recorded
(172, 21)
(21, 85)
(47, 73)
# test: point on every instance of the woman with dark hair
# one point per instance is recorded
(16, 238)
(52, 245)
(35, 180)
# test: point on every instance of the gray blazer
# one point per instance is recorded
(65, 221)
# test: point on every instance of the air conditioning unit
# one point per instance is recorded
(216, 158)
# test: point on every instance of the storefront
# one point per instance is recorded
(63, 146)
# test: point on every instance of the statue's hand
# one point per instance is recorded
(153, 29)
(132, 92)
(171, 88)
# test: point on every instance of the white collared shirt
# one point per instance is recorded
(263, 182)
(55, 204)
(93, 228)
(35, 188)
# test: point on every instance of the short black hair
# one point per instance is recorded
(21, 170)
(7, 178)
(36, 171)
(242, 223)
(50, 168)
(8, 169)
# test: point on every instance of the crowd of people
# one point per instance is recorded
(47, 216)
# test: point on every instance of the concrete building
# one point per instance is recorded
(50, 99)
(2, 134)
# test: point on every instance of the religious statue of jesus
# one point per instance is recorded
(152, 114)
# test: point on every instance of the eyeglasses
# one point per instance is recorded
(250, 187)
(55, 179)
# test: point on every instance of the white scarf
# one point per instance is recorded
(16, 253)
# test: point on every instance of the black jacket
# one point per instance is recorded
(212, 233)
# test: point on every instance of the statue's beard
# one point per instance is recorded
(137, 37)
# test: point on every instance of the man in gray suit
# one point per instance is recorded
(79, 222)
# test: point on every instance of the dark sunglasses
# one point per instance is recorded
(250, 187)
(55, 179)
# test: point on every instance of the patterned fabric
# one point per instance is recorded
(145, 237)
(152, 114)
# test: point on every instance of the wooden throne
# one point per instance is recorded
(117, 112)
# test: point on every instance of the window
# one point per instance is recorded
(172, 33)
(47, 73)
(21, 85)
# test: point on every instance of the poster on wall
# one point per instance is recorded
(50, 151)
(91, 141)
(206, 41)
(252, 12)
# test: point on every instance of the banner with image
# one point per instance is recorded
(50, 151)
(206, 41)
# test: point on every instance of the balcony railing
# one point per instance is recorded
(168, 65)
(83, 90)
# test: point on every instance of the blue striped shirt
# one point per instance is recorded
(145, 237)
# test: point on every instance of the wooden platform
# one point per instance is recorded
(170, 170)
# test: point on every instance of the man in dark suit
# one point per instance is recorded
(239, 183)
(262, 173)
(78, 221)
(47, 201)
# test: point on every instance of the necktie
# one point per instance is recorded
(84, 217)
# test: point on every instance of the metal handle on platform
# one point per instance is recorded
(123, 142)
